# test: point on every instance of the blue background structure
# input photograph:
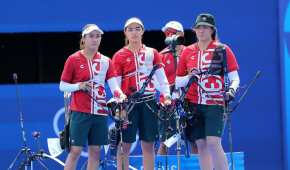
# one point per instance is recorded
(285, 75)
(253, 29)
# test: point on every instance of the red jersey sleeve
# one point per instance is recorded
(116, 62)
(162, 57)
(181, 67)
(111, 71)
(231, 60)
(68, 70)
(157, 58)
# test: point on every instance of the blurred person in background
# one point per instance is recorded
(174, 35)
(174, 39)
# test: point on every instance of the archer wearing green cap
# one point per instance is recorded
(210, 63)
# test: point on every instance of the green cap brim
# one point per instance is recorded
(204, 23)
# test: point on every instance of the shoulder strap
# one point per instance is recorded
(220, 54)
(221, 50)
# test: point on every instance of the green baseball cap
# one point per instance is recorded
(205, 19)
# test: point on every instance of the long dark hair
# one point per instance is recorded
(214, 35)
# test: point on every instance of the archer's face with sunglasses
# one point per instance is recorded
(134, 32)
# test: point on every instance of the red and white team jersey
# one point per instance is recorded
(134, 68)
(212, 89)
(167, 59)
(80, 69)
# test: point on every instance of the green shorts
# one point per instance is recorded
(143, 118)
(208, 120)
(88, 128)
